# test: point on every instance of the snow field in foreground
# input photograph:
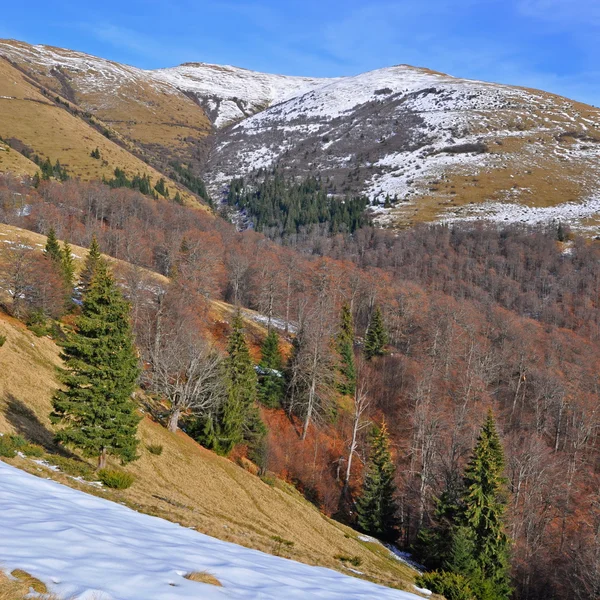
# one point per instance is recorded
(90, 548)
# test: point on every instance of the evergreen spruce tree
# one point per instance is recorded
(95, 407)
(485, 503)
(434, 544)
(68, 266)
(271, 383)
(238, 419)
(52, 249)
(376, 508)
(92, 260)
(376, 337)
(345, 348)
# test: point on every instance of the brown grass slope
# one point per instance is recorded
(51, 131)
(185, 483)
(158, 119)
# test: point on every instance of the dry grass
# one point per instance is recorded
(29, 581)
(19, 585)
(52, 132)
(203, 577)
(145, 114)
(14, 162)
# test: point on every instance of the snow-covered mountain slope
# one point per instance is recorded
(430, 140)
(230, 94)
(87, 547)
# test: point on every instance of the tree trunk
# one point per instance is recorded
(102, 460)
(174, 420)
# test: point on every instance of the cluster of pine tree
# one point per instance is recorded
(281, 207)
(182, 174)
(62, 261)
(141, 183)
(49, 170)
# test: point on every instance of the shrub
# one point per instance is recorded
(353, 560)
(2, 340)
(450, 585)
(7, 448)
(71, 466)
(281, 544)
(32, 450)
(269, 479)
(11, 444)
(155, 449)
(118, 480)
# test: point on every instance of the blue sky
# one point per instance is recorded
(548, 44)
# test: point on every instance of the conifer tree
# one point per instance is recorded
(271, 384)
(376, 508)
(52, 249)
(345, 348)
(67, 266)
(434, 544)
(95, 407)
(376, 337)
(485, 503)
(92, 260)
(237, 419)
(468, 538)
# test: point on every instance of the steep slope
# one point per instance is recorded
(34, 124)
(186, 483)
(153, 116)
(432, 141)
(230, 94)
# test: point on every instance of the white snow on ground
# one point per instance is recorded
(499, 212)
(87, 547)
(236, 89)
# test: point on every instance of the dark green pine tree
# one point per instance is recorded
(92, 260)
(345, 348)
(67, 266)
(434, 544)
(52, 249)
(271, 383)
(377, 508)
(485, 502)
(376, 337)
(237, 419)
(94, 407)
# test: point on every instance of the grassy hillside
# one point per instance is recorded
(185, 483)
(30, 118)
(156, 118)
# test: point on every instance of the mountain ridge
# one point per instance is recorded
(422, 145)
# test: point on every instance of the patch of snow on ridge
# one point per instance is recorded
(239, 91)
(499, 212)
(84, 546)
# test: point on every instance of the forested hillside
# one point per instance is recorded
(385, 356)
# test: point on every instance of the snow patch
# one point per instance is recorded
(80, 545)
